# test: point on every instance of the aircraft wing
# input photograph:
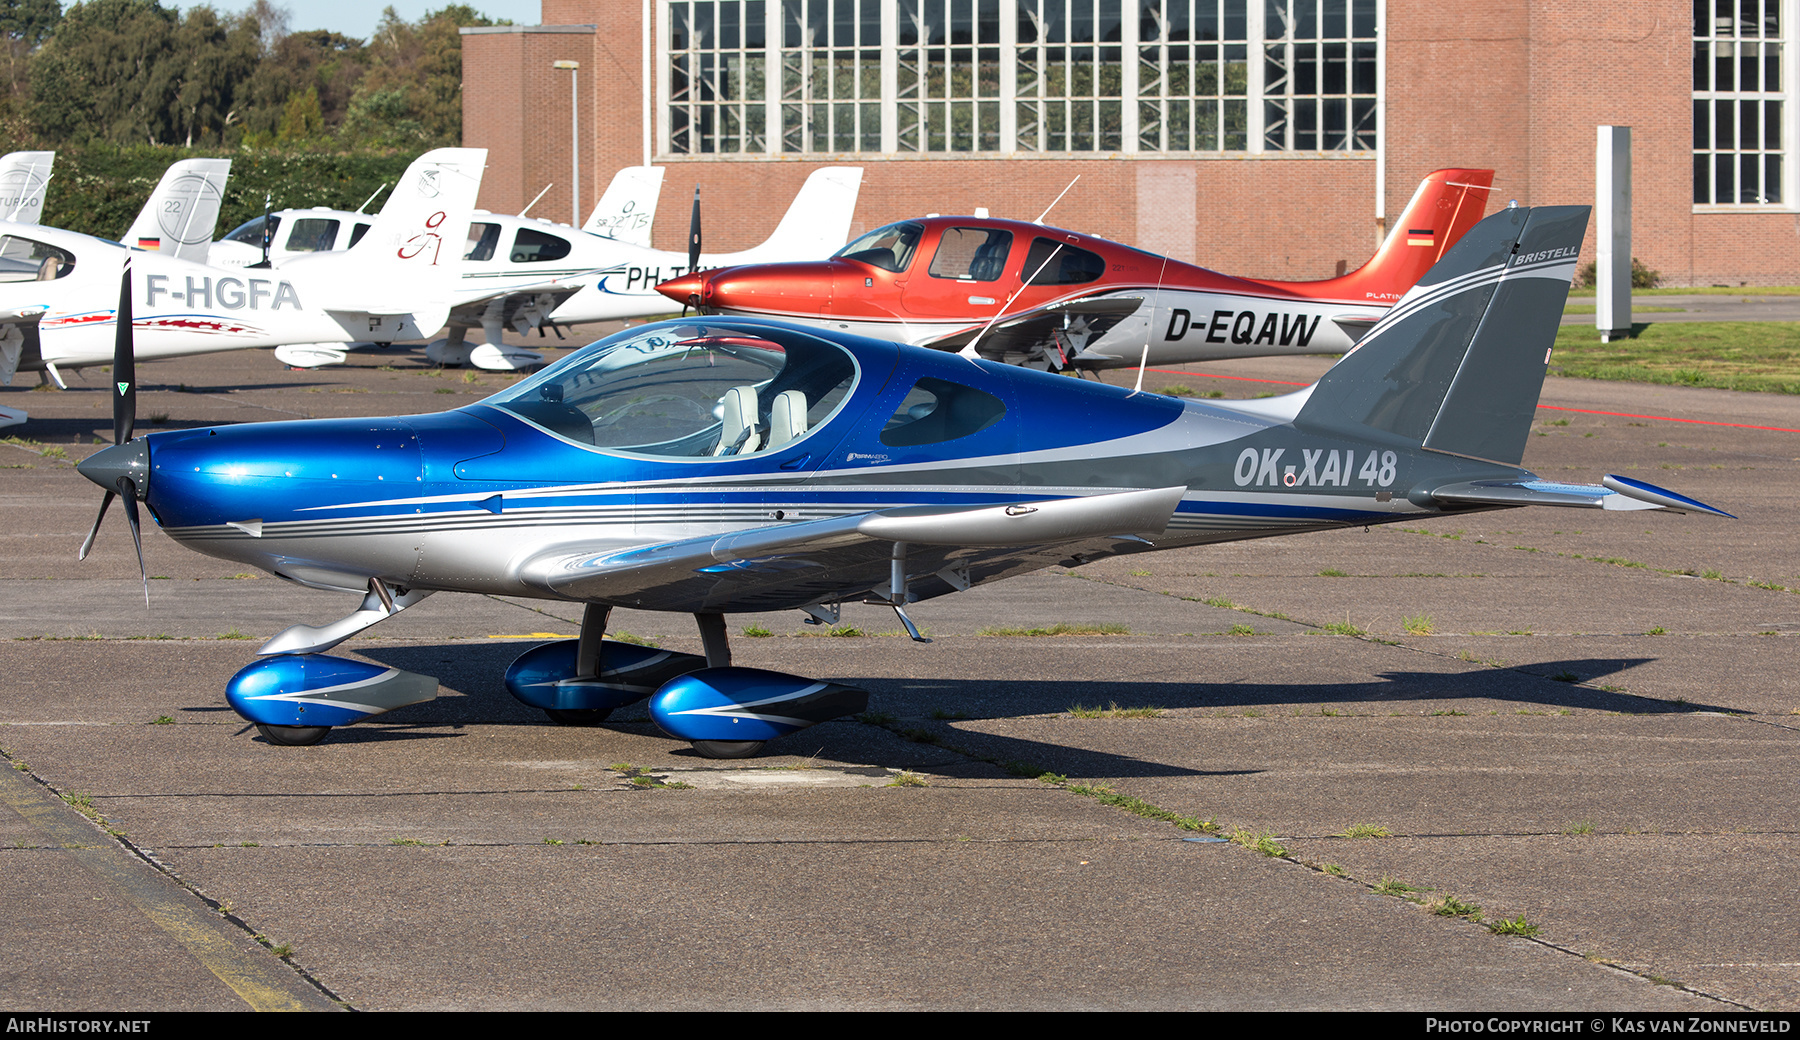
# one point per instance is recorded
(1614, 492)
(18, 340)
(1055, 333)
(838, 558)
(534, 302)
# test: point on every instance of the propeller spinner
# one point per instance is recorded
(124, 468)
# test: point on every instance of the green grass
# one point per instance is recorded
(1515, 926)
(1138, 807)
(1366, 830)
(1420, 624)
(1260, 841)
(1450, 906)
(1060, 630)
(1704, 290)
(1113, 711)
(1726, 355)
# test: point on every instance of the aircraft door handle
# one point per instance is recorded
(797, 462)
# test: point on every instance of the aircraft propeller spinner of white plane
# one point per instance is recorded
(57, 301)
(528, 272)
(24, 178)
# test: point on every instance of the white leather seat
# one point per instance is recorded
(738, 436)
(787, 417)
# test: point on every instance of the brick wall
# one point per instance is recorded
(1515, 85)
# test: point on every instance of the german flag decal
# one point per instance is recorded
(1421, 237)
(149, 243)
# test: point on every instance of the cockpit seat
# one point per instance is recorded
(787, 417)
(738, 435)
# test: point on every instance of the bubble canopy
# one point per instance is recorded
(688, 391)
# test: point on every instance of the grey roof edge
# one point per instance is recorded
(474, 30)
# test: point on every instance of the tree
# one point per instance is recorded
(102, 73)
(24, 25)
(412, 93)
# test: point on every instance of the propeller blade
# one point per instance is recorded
(694, 235)
(128, 492)
(88, 545)
(124, 368)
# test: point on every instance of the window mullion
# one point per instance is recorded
(1009, 76)
(1253, 72)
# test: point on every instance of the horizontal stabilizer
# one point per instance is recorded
(1618, 493)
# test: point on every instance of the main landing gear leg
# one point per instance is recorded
(587, 666)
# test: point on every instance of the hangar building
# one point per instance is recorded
(1269, 138)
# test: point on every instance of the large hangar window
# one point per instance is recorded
(1740, 119)
(1017, 76)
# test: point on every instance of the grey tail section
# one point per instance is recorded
(1458, 364)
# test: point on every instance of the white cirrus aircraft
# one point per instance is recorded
(57, 295)
(528, 272)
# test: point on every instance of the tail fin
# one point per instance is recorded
(408, 262)
(1459, 362)
(181, 214)
(628, 208)
(24, 177)
(1443, 209)
(817, 223)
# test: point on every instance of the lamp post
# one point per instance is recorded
(573, 68)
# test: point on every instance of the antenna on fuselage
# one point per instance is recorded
(540, 195)
(1053, 202)
(364, 207)
(1150, 327)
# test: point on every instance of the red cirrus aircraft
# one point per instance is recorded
(1048, 298)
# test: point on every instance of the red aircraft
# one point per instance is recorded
(1048, 298)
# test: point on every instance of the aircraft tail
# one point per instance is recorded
(408, 262)
(1445, 206)
(817, 223)
(1458, 364)
(24, 177)
(628, 208)
(179, 218)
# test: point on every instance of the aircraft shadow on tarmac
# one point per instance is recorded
(922, 711)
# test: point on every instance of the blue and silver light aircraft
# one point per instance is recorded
(712, 466)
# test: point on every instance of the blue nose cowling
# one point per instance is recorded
(106, 466)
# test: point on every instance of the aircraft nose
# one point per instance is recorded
(106, 466)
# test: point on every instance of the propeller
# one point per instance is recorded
(694, 234)
(694, 251)
(122, 468)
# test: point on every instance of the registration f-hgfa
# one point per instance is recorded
(712, 466)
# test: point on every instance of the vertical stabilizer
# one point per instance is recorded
(410, 260)
(628, 209)
(817, 223)
(1445, 206)
(1459, 362)
(24, 177)
(181, 214)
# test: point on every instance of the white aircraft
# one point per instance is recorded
(397, 284)
(624, 215)
(531, 273)
(24, 177)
